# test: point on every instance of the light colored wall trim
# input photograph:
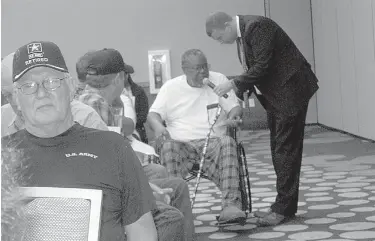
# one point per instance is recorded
(267, 8)
(313, 64)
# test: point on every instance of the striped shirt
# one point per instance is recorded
(92, 98)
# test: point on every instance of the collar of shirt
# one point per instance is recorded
(16, 123)
(90, 90)
(238, 26)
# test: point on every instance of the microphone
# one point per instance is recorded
(206, 81)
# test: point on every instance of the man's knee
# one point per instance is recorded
(180, 187)
(169, 222)
(155, 171)
(169, 145)
(227, 141)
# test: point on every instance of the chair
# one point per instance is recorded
(62, 214)
(243, 171)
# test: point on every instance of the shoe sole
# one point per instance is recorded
(260, 214)
(236, 221)
(267, 224)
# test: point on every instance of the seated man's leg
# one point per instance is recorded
(155, 171)
(169, 222)
(178, 157)
(221, 166)
(180, 199)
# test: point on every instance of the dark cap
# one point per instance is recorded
(102, 62)
(35, 54)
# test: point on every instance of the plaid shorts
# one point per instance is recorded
(220, 164)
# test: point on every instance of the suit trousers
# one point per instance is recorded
(287, 135)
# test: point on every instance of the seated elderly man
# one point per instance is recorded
(182, 105)
(62, 153)
(104, 72)
(11, 117)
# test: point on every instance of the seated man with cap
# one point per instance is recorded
(103, 72)
(182, 104)
(11, 117)
(102, 96)
(63, 153)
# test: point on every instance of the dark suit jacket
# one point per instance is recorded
(275, 66)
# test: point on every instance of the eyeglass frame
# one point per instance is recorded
(200, 67)
(21, 87)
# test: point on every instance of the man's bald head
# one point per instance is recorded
(217, 21)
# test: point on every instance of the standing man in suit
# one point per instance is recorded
(282, 79)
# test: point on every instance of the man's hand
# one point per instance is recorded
(223, 88)
(161, 194)
(231, 122)
(235, 122)
(162, 134)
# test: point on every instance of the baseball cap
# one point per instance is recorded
(36, 54)
(102, 62)
(7, 72)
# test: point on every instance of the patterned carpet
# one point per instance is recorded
(336, 199)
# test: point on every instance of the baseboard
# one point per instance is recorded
(346, 133)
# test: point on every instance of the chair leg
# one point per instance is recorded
(189, 178)
(244, 184)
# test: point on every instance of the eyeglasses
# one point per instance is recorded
(49, 84)
(200, 67)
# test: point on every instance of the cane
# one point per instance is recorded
(204, 153)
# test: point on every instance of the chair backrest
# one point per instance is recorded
(62, 214)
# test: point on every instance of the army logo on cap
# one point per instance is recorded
(36, 53)
(34, 48)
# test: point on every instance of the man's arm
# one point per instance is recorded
(129, 118)
(127, 126)
(143, 229)
(156, 123)
(138, 200)
(260, 41)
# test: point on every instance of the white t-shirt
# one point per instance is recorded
(128, 100)
(184, 108)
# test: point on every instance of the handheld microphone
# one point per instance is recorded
(206, 81)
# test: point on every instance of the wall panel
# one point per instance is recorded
(132, 26)
(327, 65)
(365, 66)
(294, 16)
(345, 36)
(344, 42)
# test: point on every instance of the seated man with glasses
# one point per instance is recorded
(58, 152)
(11, 117)
(181, 105)
(104, 72)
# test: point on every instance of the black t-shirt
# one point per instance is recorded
(87, 158)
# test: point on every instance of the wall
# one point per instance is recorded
(344, 37)
(294, 16)
(132, 27)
